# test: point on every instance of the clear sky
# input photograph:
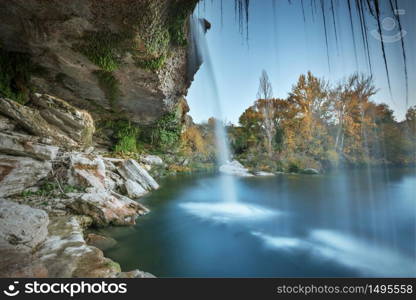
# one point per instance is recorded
(285, 46)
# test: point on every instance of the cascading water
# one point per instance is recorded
(228, 209)
(201, 50)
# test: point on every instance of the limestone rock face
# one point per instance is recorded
(32, 122)
(76, 123)
(21, 227)
(130, 169)
(19, 173)
(132, 36)
(134, 190)
(52, 119)
(87, 171)
(26, 145)
(106, 209)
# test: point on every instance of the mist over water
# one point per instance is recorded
(287, 225)
(223, 149)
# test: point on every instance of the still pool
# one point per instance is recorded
(352, 223)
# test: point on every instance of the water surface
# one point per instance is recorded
(351, 223)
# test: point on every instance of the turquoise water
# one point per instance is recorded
(352, 223)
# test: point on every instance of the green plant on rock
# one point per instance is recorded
(166, 132)
(293, 168)
(109, 84)
(51, 188)
(104, 48)
(179, 13)
(16, 70)
(126, 136)
(151, 64)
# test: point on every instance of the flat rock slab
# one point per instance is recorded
(66, 254)
(26, 145)
(21, 227)
(134, 190)
(130, 169)
(105, 208)
(19, 173)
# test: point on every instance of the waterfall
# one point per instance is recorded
(201, 54)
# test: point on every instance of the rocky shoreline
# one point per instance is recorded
(54, 185)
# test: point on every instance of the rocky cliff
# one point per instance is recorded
(65, 66)
(124, 58)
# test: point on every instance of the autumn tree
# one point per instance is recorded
(309, 104)
(350, 100)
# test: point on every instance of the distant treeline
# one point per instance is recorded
(320, 125)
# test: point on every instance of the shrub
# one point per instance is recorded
(192, 140)
(126, 137)
(166, 132)
(152, 63)
(293, 168)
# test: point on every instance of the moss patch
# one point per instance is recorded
(125, 136)
(166, 132)
(152, 64)
(110, 86)
(16, 70)
(178, 15)
(104, 48)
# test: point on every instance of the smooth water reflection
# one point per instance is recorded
(352, 223)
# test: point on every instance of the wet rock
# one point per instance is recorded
(19, 173)
(130, 169)
(26, 145)
(134, 190)
(262, 173)
(20, 264)
(21, 227)
(100, 241)
(66, 254)
(87, 171)
(105, 208)
(235, 168)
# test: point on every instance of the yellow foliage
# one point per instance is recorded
(192, 140)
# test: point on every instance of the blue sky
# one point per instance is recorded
(285, 46)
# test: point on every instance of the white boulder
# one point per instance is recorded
(21, 227)
(130, 169)
(19, 173)
(235, 168)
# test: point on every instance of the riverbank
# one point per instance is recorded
(54, 185)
